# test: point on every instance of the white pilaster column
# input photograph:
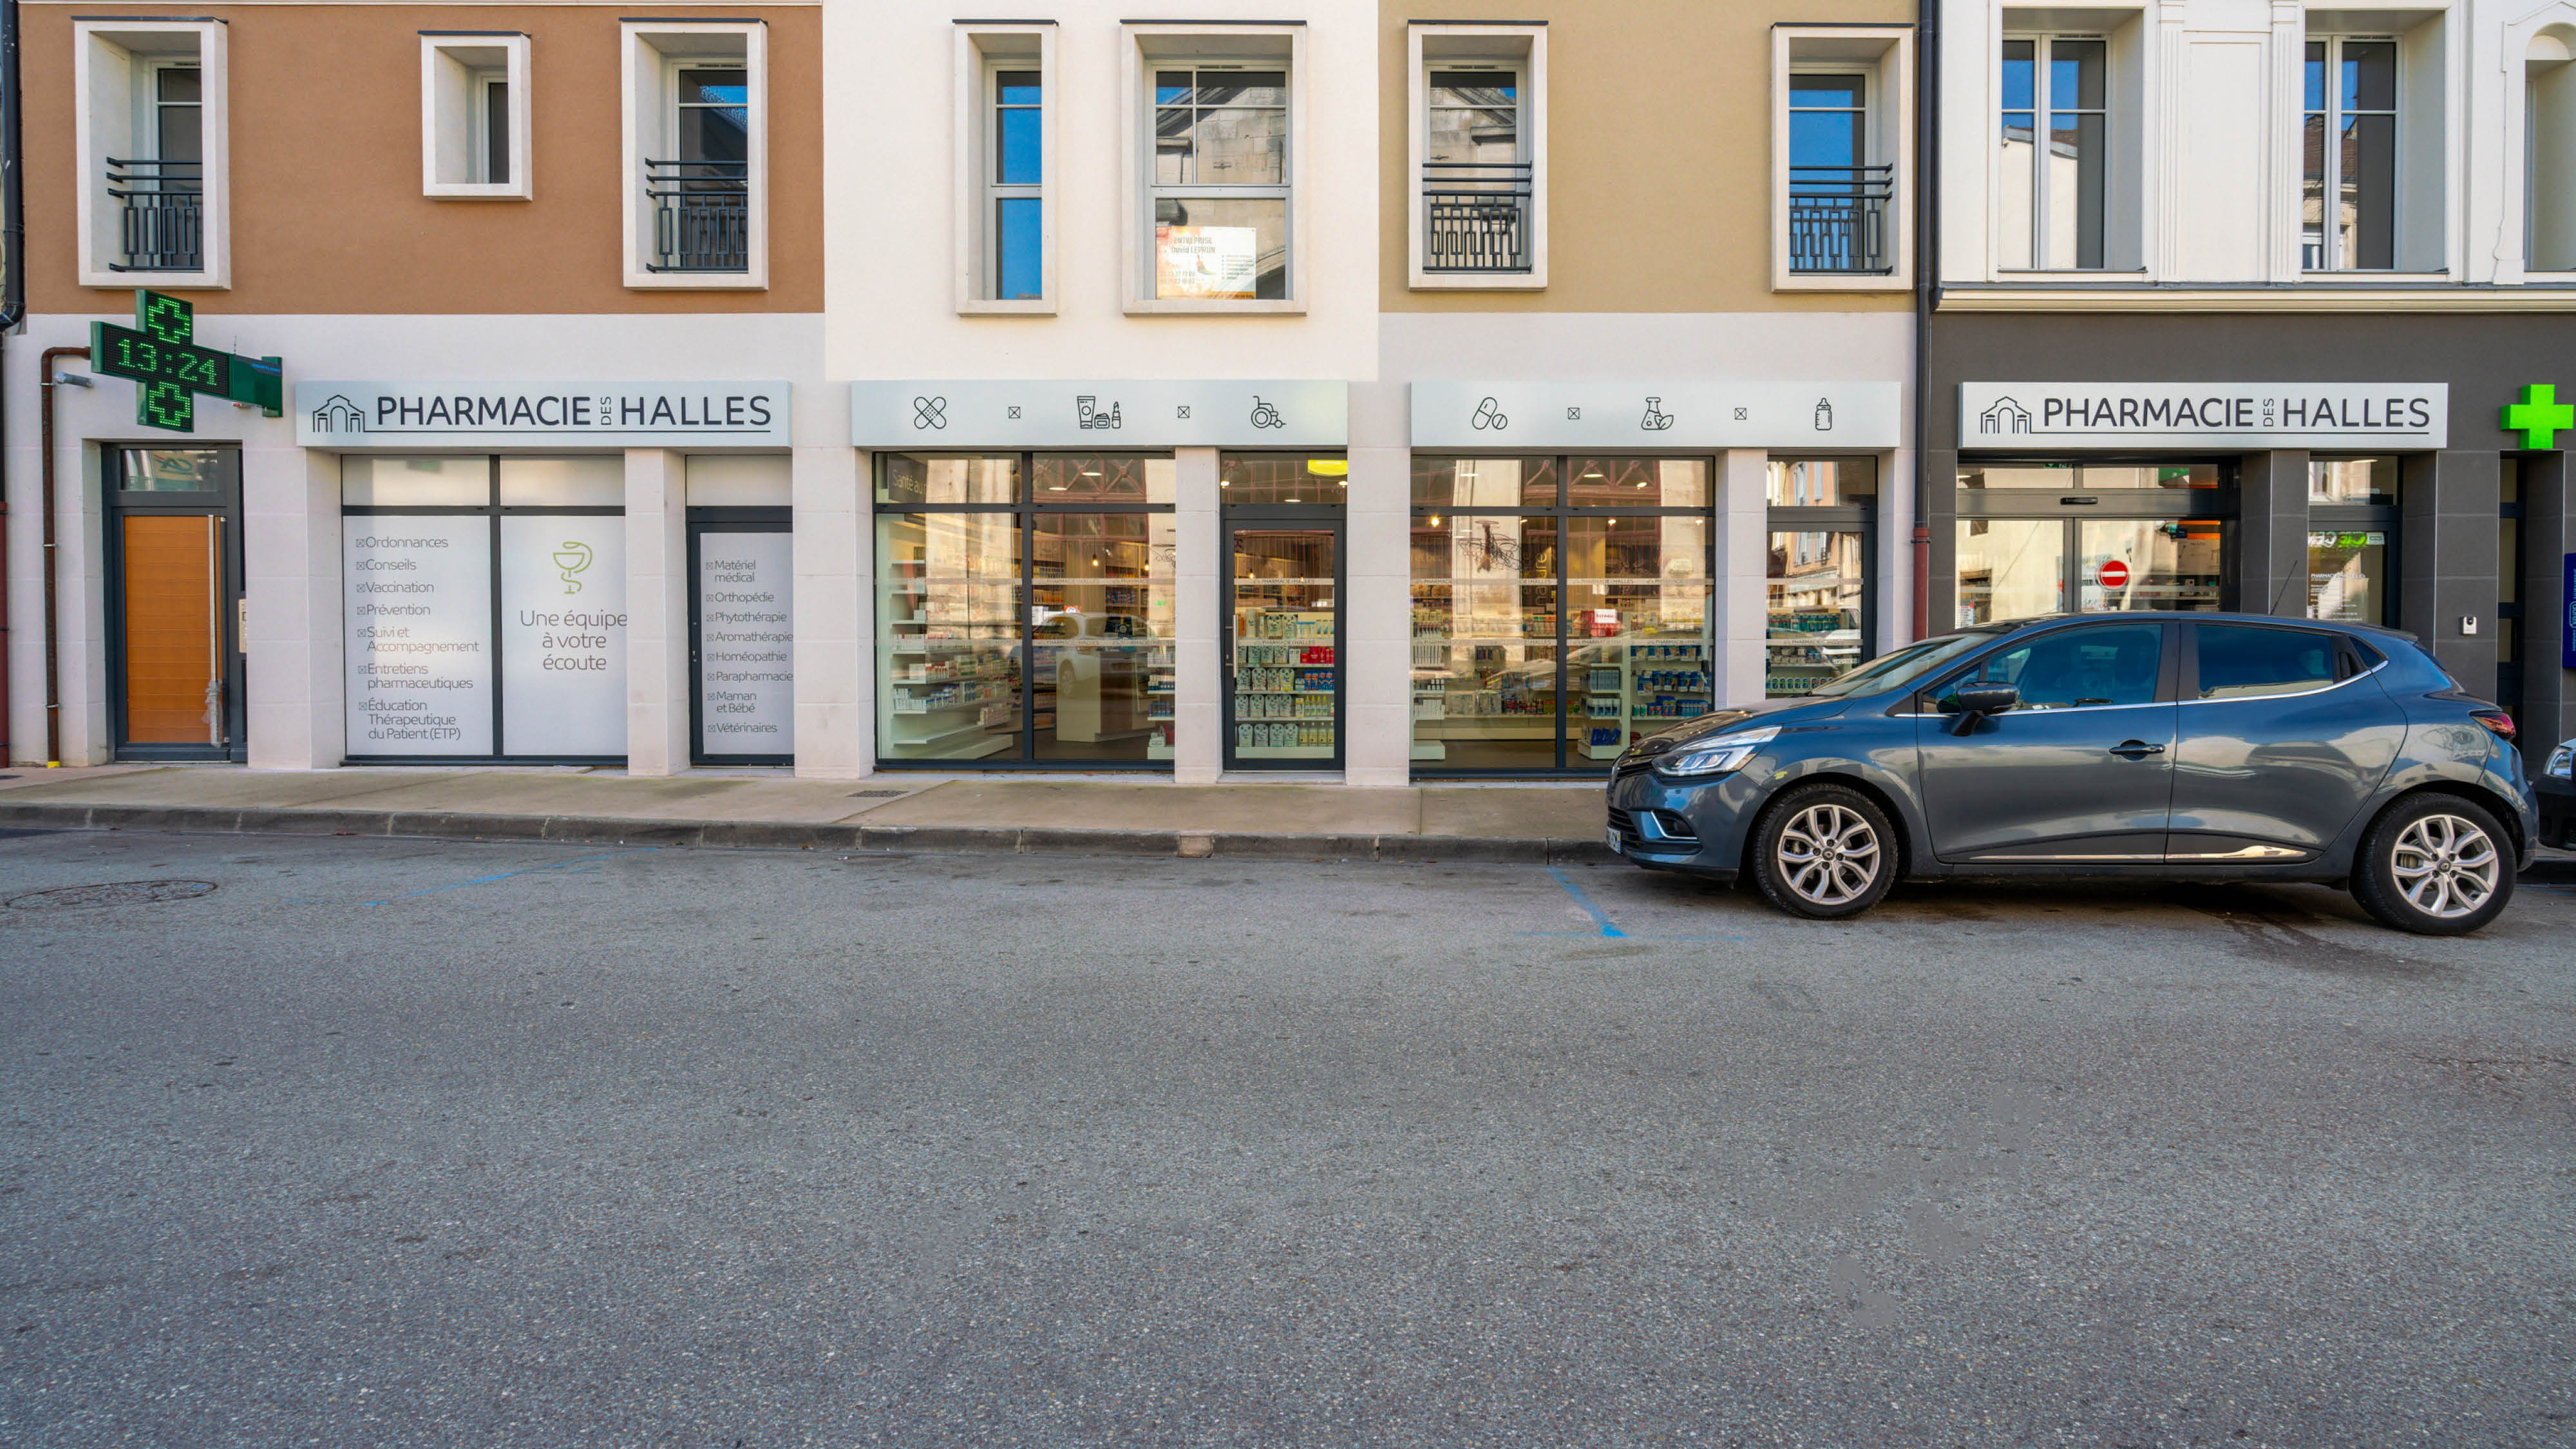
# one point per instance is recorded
(835, 580)
(80, 596)
(1895, 581)
(292, 600)
(657, 612)
(1198, 682)
(1377, 597)
(1743, 538)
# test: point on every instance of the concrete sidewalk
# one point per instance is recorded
(1087, 816)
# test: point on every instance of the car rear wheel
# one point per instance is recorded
(1824, 852)
(2436, 865)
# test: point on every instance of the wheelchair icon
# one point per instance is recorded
(1264, 415)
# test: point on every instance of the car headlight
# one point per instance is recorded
(1720, 755)
(2562, 760)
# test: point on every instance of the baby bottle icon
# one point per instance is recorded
(1824, 415)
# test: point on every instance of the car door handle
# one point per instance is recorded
(2136, 750)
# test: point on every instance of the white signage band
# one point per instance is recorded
(2111, 415)
(1633, 416)
(1105, 416)
(350, 415)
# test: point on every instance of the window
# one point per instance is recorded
(1006, 145)
(1560, 608)
(1842, 124)
(2104, 666)
(2352, 529)
(2247, 661)
(1025, 608)
(1218, 117)
(473, 115)
(2056, 152)
(1816, 609)
(2348, 195)
(1479, 210)
(696, 146)
(2549, 151)
(150, 117)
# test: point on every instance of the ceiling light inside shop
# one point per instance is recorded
(1328, 467)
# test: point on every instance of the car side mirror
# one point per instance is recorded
(1974, 704)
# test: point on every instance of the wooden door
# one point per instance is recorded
(173, 646)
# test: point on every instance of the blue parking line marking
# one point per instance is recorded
(505, 875)
(1580, 899)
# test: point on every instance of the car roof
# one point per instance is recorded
(2346, 626)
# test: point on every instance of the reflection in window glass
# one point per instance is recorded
(1637, 482)
(1220, 126)
(384, 482)
(2353, 480)
(1100, 669)
(948, 635)
(182, 470)
(2090, 668)
(2245, 661)
(2010, 568)
(911, 478)
(2348, 576)
(1283, 478)
(2091, 477)
(1815, 583)
(1484, 641)
(1821, 482)
(2162, 565)
(1099, 478)
(1483, 482)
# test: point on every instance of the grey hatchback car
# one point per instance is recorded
(2217, 747)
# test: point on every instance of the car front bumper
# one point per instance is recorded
(1697, 826)
(2557, 801)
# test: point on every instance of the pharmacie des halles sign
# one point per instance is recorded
(2052, 416)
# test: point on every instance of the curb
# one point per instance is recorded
(778, 835)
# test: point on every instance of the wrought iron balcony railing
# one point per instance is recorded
(701, 215)
(163, 225)
(1838, 218)
(1475, 216)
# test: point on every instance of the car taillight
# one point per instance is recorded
(2497, 721)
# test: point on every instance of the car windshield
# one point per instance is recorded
(1903, 667)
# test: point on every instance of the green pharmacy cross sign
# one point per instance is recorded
(158, 353)
(2539, 416)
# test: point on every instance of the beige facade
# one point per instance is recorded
(1659, 168)
(326, 204)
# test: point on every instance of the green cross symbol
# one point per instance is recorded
(2539, 416)
(162, 403)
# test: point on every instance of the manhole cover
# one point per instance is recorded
(118, 893)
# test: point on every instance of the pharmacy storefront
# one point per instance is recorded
(492, 540)
(1107, 575)
(1590, 562)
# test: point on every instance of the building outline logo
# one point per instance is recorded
(326, 418)
(2005, 416)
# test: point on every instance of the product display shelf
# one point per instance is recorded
(1642, 686)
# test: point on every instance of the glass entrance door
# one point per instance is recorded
(1283, 640)
(174, 626)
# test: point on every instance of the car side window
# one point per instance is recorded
(2248, 661)
(2087, 668)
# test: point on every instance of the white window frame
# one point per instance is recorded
(983, 52)
(2330, 263)
(651, 53)
(2044, 106)
(1886, 54)
(1147, 45)
(113, 61)
(456, 71)
(1432, 45)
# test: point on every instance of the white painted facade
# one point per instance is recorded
(2206, 155)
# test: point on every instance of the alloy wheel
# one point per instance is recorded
(1828, 854)
(2446, 866)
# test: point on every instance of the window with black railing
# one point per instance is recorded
(702, 197)
(161, 224)
(1838, 218)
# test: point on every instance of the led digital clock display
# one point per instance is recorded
(160, 355)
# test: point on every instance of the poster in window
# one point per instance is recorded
(1205, 263)
(563, 634)
(418, 622)
(746, 644)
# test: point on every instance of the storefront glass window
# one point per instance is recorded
(2160, 565)
(1548, 635)
(2092, 477)
(2348, 576)
(1814, 586)
(1032, 626)
(2367, 481)
(1250, 478)
(171, 470)
(2010, 568)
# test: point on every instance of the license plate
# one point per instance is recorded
(1610, 837)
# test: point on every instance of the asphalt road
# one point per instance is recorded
(435, 1143)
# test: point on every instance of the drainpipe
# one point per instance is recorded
(1927, 272)
(53, 665)
(13, 304)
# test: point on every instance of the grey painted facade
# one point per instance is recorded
(2451, 576)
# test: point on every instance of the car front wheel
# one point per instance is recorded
(1824, 852)
(2436, 865)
